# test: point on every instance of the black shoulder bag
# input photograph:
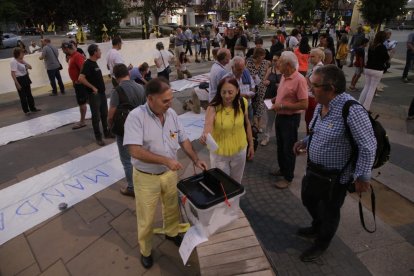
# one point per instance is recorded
(121, 112)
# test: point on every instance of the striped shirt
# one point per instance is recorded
(331, 147)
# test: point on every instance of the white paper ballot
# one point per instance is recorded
(211, 143)
(192, 238)
(268, 103)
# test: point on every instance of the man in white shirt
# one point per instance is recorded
(218, 70)
(114, 57)
(33, 48)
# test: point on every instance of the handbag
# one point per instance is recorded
(167, 68)
(320, 181)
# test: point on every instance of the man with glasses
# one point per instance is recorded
(329, 149)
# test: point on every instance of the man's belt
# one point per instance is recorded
(151, 173)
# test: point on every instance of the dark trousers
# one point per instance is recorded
(408, 62)
(411, 110)
(25, 94)
(315, 39)
(164, 74)
(99, 110)
(325, 213)
(286, 127)
(26, 99)
(188, 47)
(55, 74)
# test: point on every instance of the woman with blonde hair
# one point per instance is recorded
(257, 66)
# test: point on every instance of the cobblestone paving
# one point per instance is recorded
(276, 214)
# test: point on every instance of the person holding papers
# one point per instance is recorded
(227, 122)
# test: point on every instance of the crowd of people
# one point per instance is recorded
(293, 76)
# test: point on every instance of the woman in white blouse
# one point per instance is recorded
(22, 81)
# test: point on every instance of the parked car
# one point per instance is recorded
(30, 31)
(74, 31)
(170, 25)
(10, 40)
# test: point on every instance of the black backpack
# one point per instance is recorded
(121, 113)
(382, 154)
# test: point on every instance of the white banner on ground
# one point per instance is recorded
(52, 121)
(36, 199)
(40, 125)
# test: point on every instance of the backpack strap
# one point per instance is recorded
(121, 95)
(345, 113)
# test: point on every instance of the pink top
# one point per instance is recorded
(291, 90)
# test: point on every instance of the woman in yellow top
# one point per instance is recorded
(342, 52)
(226, 121)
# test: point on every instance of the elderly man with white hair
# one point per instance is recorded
(244, 79)
(291, 100)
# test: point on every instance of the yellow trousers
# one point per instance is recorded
(148, 189)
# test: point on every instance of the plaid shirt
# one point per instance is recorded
(331, 147)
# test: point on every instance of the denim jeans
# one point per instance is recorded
(125, 160)
(55, 74)
(99, 110)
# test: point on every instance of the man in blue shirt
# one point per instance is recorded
(329, 147)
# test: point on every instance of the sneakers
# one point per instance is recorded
(147, 262)
(282, 184)
(406, 79)
(127, 192)
(265, 141)
(312, 253)
(100, 142)
(307, 232)
(176, 240)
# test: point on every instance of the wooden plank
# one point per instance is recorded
(227, 246)
(229, 235)
(268, 272)
(231, 256)
(241, 222)
(240, 267)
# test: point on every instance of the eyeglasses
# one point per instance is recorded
(316, 85)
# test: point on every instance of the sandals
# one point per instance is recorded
(79, 125)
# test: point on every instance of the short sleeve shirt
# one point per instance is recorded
(75, 65)
(135, 74)
(144, 128)
(165, 57)
(113, 58)
(93, 74)
(291, 90)
(134, 92)
(18, 67)
(50, 55)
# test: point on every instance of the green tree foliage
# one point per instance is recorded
(255, 14)
(303, 10)
(377, 12)
(8, 11)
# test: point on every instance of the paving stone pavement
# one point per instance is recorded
(98, 236)
(275, 216)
